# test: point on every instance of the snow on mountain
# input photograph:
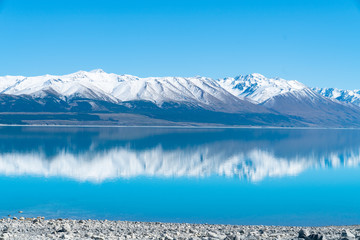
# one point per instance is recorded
(314, 108)
(199, 91)
(196, 91)
(95, 85)
(257, 88)
(255, 99)
(348, 96)
(292, 98)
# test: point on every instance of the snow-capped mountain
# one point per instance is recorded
(349, 96)
(291, 98)
(98, 85)
(257, 88)
(244, 100)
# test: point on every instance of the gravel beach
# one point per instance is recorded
(39, 228)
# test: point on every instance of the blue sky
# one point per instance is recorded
(314, 41)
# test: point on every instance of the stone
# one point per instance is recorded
(111, 230)
(97, 238)
(250, 237)
(5, 229)
(315, 237)
(347, 235)
(303, 233)
(65, 228)
(4, 236)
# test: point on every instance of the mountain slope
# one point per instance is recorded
(197, 92)
(293, 98)
(315, 109)
(251, 100)
(176, 99)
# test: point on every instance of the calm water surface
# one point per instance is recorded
(231, 176)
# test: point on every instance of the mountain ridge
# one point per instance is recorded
(348, 96)
(251, 100)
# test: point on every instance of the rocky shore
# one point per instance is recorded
(39, 228)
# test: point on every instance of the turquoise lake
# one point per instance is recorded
(199, 175)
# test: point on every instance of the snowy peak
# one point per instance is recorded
(97, 71)
(348, 96)
(257, 88)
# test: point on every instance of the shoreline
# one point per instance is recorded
(175, 126)
(40, 228)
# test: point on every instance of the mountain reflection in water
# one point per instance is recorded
(99, 154)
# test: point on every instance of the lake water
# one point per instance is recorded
(198, 175)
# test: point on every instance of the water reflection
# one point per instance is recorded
(99, 154)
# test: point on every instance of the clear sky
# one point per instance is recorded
(314, 41)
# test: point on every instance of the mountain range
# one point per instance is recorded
(100, 98)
